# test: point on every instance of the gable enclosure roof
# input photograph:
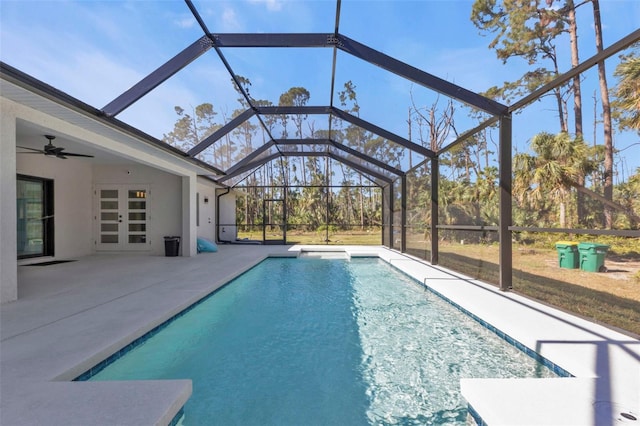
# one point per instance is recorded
(366, 171)
(254, 110)
(328, 44)
(339, 41)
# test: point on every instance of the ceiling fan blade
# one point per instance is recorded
(39, 151)
(52, 151)
(72, 154)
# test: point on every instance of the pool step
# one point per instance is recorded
(334, 254)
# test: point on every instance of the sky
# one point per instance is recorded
(95, 50)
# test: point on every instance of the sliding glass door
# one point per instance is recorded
(34, 201)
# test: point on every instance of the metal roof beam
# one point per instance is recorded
(288, 110)
(348, 150)
(157, 77)
(236, 80)
(420, 77)
(367, 173)
(303, 141)
(470, 133)
(249, 166)
(382, 132)
(577, 70)
(334, 61)
(303, 154)
(218, 134)
(250, 157)
(362, 169)
(365, 157)
(274, 40)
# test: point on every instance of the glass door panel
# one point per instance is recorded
(110, 218)
(137, 216)
(34, 214)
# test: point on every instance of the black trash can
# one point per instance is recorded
(171, 246)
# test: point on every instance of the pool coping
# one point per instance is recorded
(599, 388)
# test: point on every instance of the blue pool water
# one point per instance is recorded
(323, 342)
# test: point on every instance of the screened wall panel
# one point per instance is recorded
(478, 259)
(419, 213)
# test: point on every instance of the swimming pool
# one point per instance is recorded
(315, 341)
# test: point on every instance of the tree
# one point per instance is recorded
(549, 175)
(434, 128)
(520, 33)
(575, 61)
(577, 90)
(523, 29)
(626, 106)
(189, 130)
(296, 96)
(355, 135)
(629, 195)
(606, 118)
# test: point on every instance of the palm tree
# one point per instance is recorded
(627, 103)
(549, 175)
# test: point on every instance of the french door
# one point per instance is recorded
(122, 217)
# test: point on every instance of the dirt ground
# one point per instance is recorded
(611, 297)
(619, 279)
(620, 269)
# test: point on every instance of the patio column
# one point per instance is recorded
(506, 261)
(8, 229)
(391, 213)
(435, 179)
(189, 209)
(403, 213)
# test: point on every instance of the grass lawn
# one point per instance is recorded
(366, 238)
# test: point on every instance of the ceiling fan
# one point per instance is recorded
(53, 151)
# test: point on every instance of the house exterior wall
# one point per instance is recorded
(73, 197)
(207, 210)
(165, 198)
(8, 229)
(227, 206)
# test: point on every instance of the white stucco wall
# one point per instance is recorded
(207, 210)
(8, 230)
(228, 230)
(73, 200)
(164, 202)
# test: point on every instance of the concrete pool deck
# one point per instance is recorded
(71, 316)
